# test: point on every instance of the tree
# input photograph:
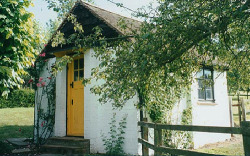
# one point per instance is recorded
(62, 7)
(176, 39)
(17, 43)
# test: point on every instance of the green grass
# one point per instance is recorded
(229, 148)
(16, 123)
(232, 147)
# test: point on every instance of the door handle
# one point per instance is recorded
(72, 101)
(72, 85)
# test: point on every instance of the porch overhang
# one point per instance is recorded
(67, 51)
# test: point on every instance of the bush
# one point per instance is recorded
(113, 144)
(19, 98)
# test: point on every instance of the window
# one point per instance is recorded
(205, 85)
(78, 69)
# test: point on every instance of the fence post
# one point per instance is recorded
(243, 110)
(231, 113)
(145, 137)
(239, 108)
(157, 139)
(245, 125)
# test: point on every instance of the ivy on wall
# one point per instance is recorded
(179, 139)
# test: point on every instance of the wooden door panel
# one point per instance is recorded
(75, 106)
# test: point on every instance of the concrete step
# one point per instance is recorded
(59, 149)
(66, 145)
(69, 141)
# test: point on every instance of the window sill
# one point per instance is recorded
(210, 103)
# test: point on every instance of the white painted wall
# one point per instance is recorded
(177, 111)
(211, 113)
(61, 103)
(97, 116)
(39, 98)
(204, 113)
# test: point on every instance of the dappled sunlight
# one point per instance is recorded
(16, 123)
(17, 116)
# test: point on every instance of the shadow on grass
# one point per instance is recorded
(15, 132)
(5, 148)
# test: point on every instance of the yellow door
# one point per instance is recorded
(75, 99)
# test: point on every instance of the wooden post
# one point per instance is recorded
(239, 109)
(157, 139)
(145, 137)
(243, 110)
(248, 91)
(245, 125)
(231, 113)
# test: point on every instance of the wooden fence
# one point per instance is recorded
(241, 106)
(159, 149)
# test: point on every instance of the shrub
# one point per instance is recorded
(114, 142)
(19, 98)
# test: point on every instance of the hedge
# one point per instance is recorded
(19, 98)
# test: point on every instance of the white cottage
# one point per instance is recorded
(78, 112)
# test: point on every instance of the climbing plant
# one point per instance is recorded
(114, 141)
(178, 139)
(45, 116)
(44, 98)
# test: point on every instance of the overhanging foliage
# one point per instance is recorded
(18, 42)
(173, 43)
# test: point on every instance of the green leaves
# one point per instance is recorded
(5, 70)
(19, 42)
(170, 48)
(160, 63)
(2, 17)
(114, 141)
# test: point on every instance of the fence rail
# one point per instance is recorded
(213, 129)
(159, 149)
(242, 112)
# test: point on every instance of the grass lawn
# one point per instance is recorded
(233, 147)
(229, 147)
(16, 123)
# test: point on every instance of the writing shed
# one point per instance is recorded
(80, 116)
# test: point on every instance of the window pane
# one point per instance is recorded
(75, 75)
(208, 74)
(200, 74)
(208, 94)
(75, 64)
(205, 84)
(209, 86)
(200, 84)
(201, 94)
(81, 63)
(81, 74)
